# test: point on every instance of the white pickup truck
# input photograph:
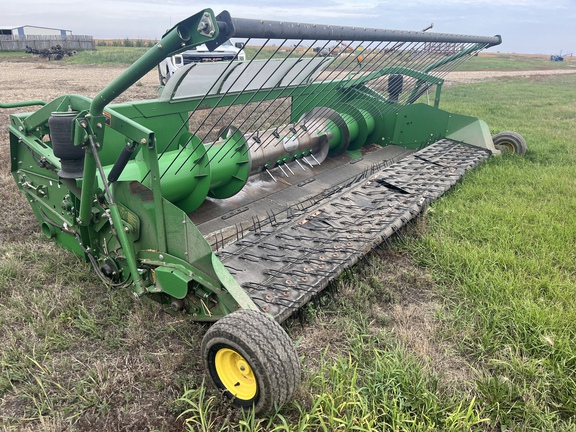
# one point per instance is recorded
(201, 53)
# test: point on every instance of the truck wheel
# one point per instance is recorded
(163, 79)
(250, 358)
(511, 142)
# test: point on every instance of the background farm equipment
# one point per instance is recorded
(559, 57)
(248, 186)
(56, 52)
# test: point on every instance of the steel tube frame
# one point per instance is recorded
(252, 28)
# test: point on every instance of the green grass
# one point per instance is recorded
(73, 353)
(8, 55)
(492, 61)
(107, 56)
(102, 55)
(502, 248)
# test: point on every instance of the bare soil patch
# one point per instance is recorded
(465, 77)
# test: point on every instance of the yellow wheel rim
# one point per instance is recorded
(507, 145)
(235, 373)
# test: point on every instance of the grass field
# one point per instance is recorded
(108, 55)
(498, 61)
(465, 321)
(502, 249)
(102, 55)
(121, 55)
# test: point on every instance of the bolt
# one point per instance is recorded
(143, 141)
(242, 368)
(99, 125)
(161, 257)
(126, 229)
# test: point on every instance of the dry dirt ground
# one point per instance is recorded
(409, 313)
(45, 81)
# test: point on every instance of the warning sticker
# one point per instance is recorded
(108, 118)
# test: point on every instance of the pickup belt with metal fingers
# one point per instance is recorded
(283, 265)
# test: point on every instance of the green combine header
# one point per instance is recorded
(247, 186)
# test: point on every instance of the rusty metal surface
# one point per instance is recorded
(263, 197)
(284, 264)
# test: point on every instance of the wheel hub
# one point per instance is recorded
(236, 374)
(506, 146)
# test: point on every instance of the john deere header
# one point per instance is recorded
(251, 182)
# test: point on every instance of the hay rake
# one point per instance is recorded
(247, 186)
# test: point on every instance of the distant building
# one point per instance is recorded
(20, 38)
(29, 30)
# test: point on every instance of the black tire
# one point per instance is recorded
(249, 357)
(510, 142)
(163, 79)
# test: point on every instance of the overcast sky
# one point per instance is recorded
(526, 26)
